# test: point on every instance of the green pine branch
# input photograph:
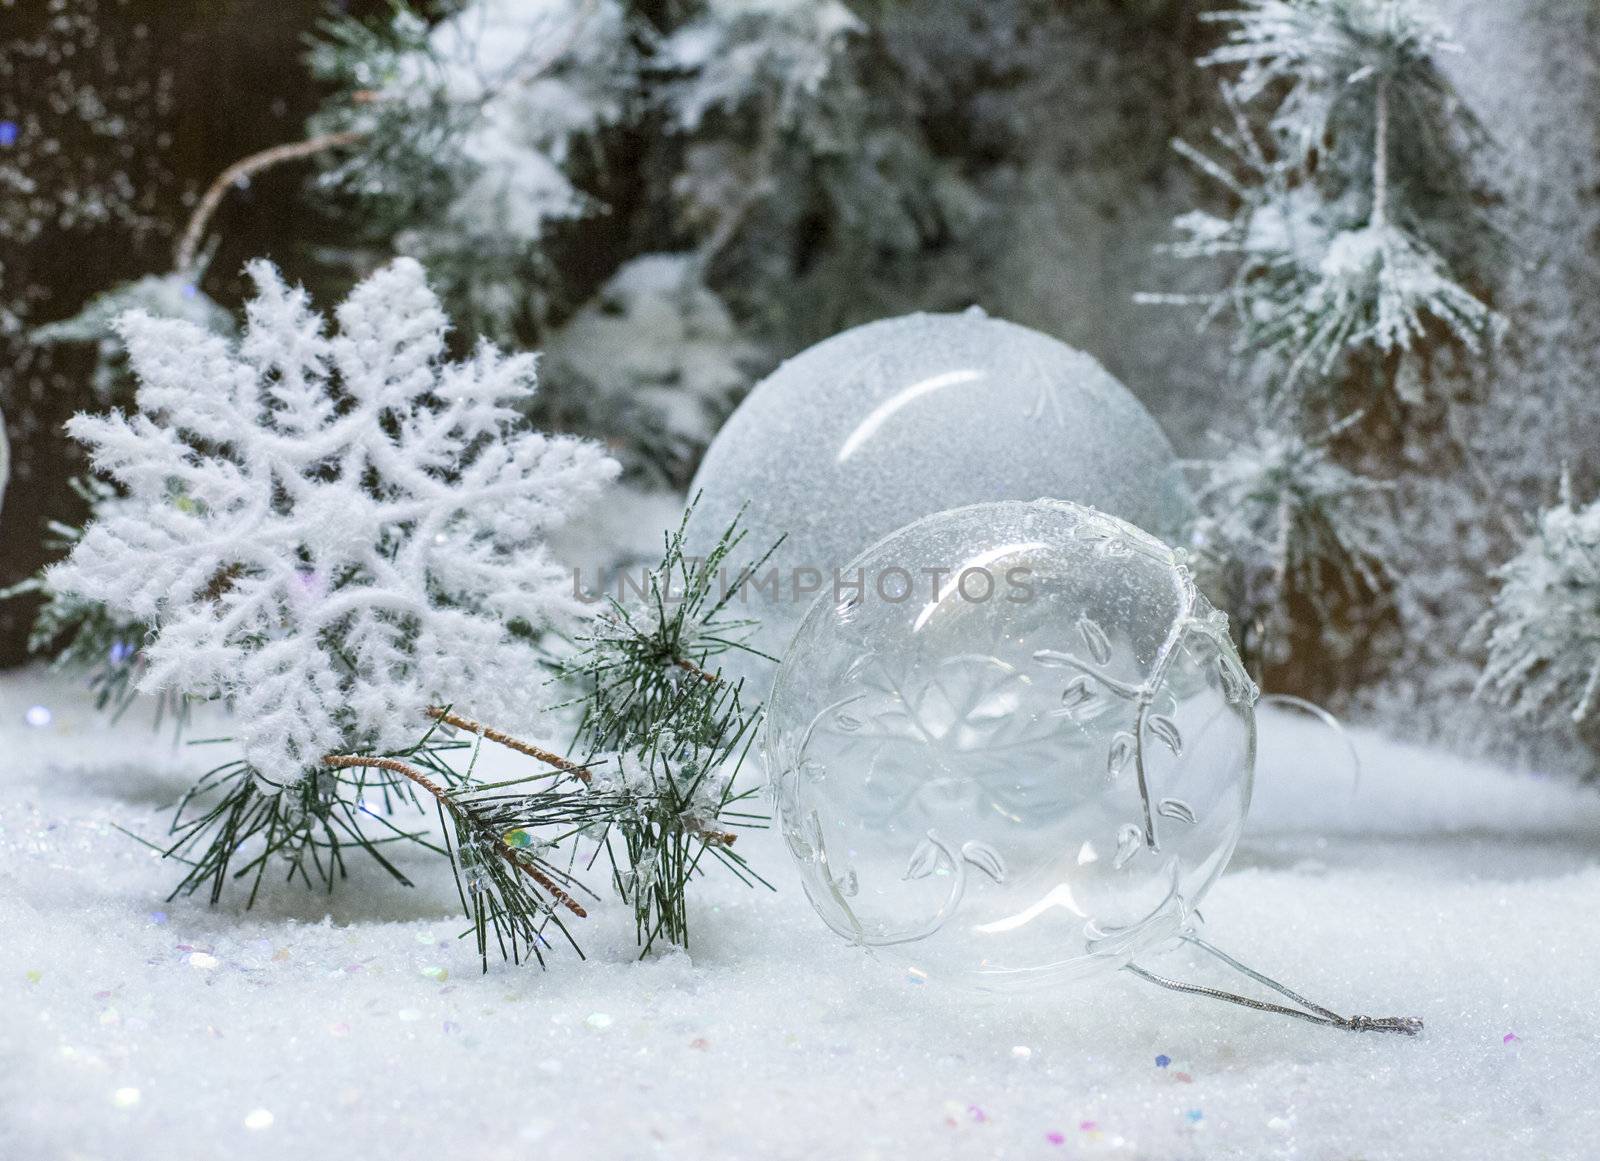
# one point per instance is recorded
(662, 740)
(636, 659)
(668, 732)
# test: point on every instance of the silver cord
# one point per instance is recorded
(1308, 1011)
(1331, 720)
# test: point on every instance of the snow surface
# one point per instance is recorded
(357, 1026)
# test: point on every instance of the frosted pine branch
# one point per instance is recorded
(1280, 518)
(1330, 54)
(675, 778)
(470, 130)
(1543, 628)
(175, 295)
(735, 53)
(1341, 186)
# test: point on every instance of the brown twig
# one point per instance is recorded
(188, 248)
(1380, 155)
(346, 761)
(511, 743)
(688, 666)
(406, 770)
(707, 833)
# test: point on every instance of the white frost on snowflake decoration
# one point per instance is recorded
(332, 532)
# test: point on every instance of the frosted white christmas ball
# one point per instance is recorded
(1020, 753)
(889, 422)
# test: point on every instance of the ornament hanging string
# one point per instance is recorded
(1328, 718)
(1307, 1010)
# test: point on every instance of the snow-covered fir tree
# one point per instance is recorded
(1542, 632)
(523, 150)
(175, 295)
(745, 83)
(808, 173)
(657, 354)
(775, 53)
(1285, 522)
(1341, 188)
(1351, 241)
(470, 132)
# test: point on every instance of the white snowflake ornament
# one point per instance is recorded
(333, 532)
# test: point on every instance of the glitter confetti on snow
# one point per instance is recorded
(136, 1028)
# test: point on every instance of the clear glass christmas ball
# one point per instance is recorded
(898, 419)
(1020, 751)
